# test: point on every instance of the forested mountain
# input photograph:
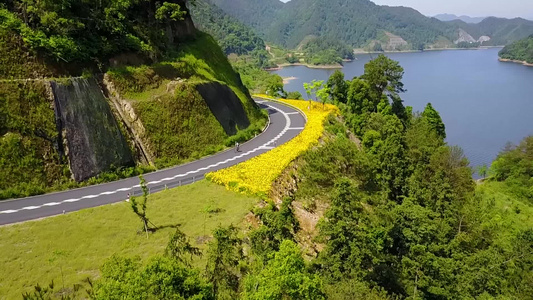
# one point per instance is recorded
(326, 50)
(355, 22)
(501, 31)
(521, 50)
(231, 34)
(256, 13)
(452, 17)
(360, 23)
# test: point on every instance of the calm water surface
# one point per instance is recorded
(483, 102)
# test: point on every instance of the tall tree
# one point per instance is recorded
(434, 119)
(140, 208)
(338, 87)
(284, 277)
(384, 76)
(224, 258)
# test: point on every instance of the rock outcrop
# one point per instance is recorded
(95, 142)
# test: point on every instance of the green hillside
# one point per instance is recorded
(360, 22)
(148, 82)
(501, 31)
(521, 50)
(233, 36)
(259, 14)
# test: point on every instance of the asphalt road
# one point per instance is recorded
(285, 123)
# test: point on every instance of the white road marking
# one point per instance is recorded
(265, 146)
(293, 113)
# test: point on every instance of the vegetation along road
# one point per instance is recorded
(285, 123)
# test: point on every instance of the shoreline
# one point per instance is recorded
(281, 66)
(361, 51)
(522, 62)
(286, 80)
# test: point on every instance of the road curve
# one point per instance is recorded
(285, 124)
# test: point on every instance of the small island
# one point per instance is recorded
(520, 52)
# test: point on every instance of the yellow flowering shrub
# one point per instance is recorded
(255, 176)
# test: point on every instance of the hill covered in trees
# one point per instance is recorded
(501, 31)
(521, 50)
(359, 22)
(233, 36)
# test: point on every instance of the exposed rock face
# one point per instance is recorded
(95, 142)
(395, 41)
(185, 28)
(225, 105)
(126, 113)
(483, 39)
(464, 37)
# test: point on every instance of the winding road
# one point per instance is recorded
(285, 124)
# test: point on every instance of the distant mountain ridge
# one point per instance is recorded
(363, 24)
(466, 19)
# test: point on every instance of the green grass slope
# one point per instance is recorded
(77, 244)
(29, 162)
(177, 120)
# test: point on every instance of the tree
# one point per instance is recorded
(284, 277)
(338, 88)
(312, 88)
(139, 208)
(384, 76)
(294, 95)
(482, 171)
(434, 119)
(170, 12)
(160, 278)
(223, 269)
(277, 225)
(179, 246)
(323, 95)
(274, 86)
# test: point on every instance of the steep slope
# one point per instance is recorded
(521, 50)
(154, 91)
(256, 13)
(232, 35)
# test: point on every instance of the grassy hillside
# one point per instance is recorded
(157, 61)
(77, 244)
(520, 50)
(178, 123)
(29, 161)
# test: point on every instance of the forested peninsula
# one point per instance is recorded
(520, 51)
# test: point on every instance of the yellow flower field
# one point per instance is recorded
(256, 175)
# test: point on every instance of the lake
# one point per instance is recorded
(483, 102)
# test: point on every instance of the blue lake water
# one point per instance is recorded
(483, 102)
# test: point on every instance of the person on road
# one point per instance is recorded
(237, 146)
